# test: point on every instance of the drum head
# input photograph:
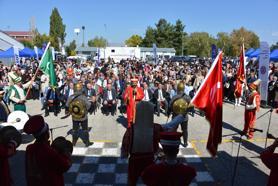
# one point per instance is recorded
(18, 119)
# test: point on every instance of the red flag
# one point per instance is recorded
(209, 99)
(240, 76)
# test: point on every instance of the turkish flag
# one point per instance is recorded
(240, 77)
(209, 99)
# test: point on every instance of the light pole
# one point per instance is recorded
(77, 31)
(83, 29)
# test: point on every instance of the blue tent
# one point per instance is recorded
(249, 51)
(40, 52)
(27, 52)
(256, 53)
(8, 53)
(274, 55)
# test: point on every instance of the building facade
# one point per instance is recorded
(20, 35)
(119, 53)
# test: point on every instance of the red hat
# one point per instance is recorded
(36, 126)
(170, 138)
(134, 80)
(255, 84)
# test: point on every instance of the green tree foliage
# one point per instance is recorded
(250, 39)
(224, 42)
(199, 43)
(39, 39)
(165, 35)
(98, 42)
(178, 36)
(57, 29)
(134, 40)
(274, 46)
(70, 50)
(28, 44)
(149, 38)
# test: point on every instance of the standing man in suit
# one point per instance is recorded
(161, 97)
(109, 99)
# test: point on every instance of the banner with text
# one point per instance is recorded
(263, 69)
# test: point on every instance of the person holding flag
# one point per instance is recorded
(209, 98)
(240, 78)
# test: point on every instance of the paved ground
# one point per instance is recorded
(100, 164)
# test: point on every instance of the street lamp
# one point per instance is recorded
(77, 31)
(83, 29)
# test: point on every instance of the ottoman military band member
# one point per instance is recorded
(178, 101)
(170, 171)
(45, 164)
(252, 106)
(78, 106)
(18, 93)
(10, 139)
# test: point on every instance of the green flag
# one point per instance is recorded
(47, 67)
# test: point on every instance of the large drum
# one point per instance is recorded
(16, 119)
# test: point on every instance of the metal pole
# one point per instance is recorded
(268, 127)
(235, 168)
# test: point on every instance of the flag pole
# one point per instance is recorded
(33, 78)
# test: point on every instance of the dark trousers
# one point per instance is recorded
(54, 107)
(109, 107)
(83, 134)
(158, 106)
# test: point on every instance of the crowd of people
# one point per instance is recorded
(83, 88)
(158, 81)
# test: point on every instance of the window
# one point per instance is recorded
(113, 50)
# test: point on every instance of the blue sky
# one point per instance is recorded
(126, 17)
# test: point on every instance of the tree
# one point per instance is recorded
(70, 50)
(199, 43)
(134, 40)
(274, 46)
(149, 38)
(39, 39)
(224, 42)
(57, 29)
(27, 43)
(178, 36)
(164, 34)
(250, 39)
(98, 42)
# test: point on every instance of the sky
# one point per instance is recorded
(117, 20)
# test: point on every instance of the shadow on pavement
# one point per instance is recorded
(247, 174)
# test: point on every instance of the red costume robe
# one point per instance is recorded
(45, 166)
(252, 106)
(138, 161)
(5, 177)
(270, 159)
(164, 174)
(131, 102)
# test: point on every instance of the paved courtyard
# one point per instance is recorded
(100, 164)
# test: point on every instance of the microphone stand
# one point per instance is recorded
(51, 130)
(269, 121)
(237, 157)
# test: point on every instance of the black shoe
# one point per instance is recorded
(87, 144)
(184, 145)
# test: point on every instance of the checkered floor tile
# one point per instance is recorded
(100, 164)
